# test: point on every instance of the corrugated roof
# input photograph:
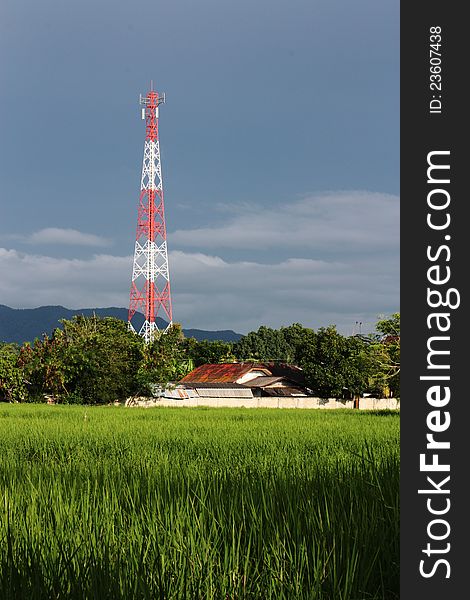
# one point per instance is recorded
(212, 384)
(225, 392)
(223, 373)
(263, 381)
(180, 392)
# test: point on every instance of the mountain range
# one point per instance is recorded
(25, 324)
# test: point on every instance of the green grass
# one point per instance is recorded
(219, 504)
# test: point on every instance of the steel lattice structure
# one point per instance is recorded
(150, 287)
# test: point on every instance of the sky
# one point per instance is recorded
(279, 146)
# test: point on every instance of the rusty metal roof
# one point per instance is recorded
(223, 373)
(212, 385)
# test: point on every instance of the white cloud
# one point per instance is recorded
(60, 236)
(211, 293)
(338, 222)
(333, 259)
(30, 280)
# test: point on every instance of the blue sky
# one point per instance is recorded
(280, 156)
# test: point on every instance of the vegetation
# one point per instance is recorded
(91, 360)
(209, 352)
(12, 384)
(101, 502)
(96, 360)
(385, 353)
(116, 503)
(334, 365)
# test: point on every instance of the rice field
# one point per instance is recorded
(163, 503)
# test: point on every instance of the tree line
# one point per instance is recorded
(93, 360)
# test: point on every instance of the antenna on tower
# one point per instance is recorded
(150, 287)
(152, 100)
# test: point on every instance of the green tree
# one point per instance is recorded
(12, 385)
(43, 368)
(297, 339)
(164, 360)
(385, 354)
(263, 345)
(101, 358)
(208, 351)
(389, 326)
(92, 360)
(335, 365)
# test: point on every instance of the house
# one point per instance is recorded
(259, 379)
(292, 372)
(238, 373)
(211, 390)
(275, 386)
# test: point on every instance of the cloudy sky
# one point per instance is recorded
(280, 156)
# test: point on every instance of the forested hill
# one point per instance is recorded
(24, 324)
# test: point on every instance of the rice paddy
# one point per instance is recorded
(117, 503)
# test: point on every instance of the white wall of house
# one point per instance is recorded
(265, 402)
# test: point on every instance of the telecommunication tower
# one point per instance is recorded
(150, 287)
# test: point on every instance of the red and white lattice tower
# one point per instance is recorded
(150, 288)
